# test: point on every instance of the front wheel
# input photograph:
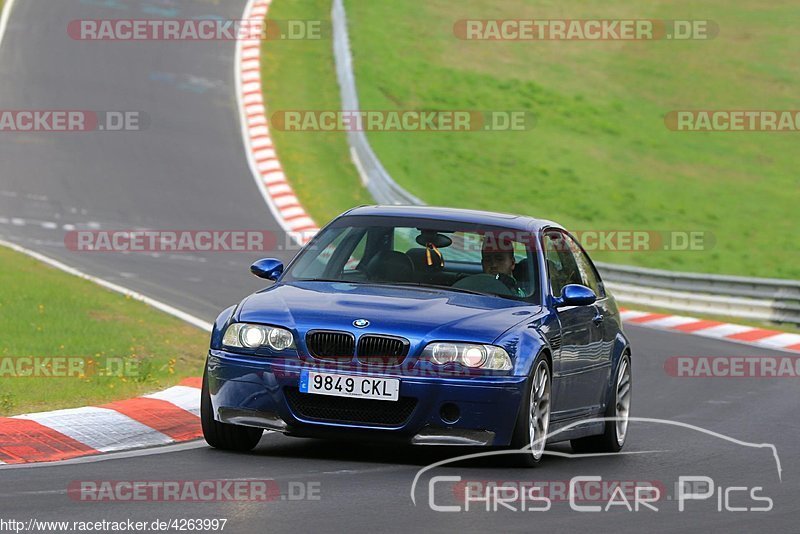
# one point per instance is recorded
(618, 412)
(533, 422)
(223, 435)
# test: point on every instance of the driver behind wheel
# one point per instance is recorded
(497, 259)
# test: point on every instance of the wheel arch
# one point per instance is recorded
(220, 324)
(621, 348)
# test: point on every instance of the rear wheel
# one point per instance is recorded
(616, 430)
(223, 435)
(533, 422)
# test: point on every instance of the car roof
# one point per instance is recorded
(491, 218)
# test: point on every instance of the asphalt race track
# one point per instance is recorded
(188, 170)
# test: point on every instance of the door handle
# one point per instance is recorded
(598, 319)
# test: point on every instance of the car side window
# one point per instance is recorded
(587, 271)
(562, 267)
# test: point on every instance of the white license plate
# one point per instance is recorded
(357, 387)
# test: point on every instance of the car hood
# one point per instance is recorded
(415, 313)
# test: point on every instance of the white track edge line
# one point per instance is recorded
(4, 18)
(166, 308)
(118, 455)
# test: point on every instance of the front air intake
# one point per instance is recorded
(331, 345)
(382, 350)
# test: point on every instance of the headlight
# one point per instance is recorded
(253, 336)
(469, 355)
(442, 353)
(280, 339)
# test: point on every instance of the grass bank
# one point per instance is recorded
(117, 347)
(600, 155)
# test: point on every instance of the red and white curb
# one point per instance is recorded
(169, 416)
(264, 163)
(760, 337)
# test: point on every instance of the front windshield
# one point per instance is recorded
(448, 255)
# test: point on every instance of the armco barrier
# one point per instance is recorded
(764, 299)
(382, 187)
(732, 296)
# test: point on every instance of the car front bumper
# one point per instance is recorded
(254, 391)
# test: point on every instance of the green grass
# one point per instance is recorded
(47, 313)
(300, 75)
(600, 156)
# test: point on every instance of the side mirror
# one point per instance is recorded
(575, 295)
(269, 269)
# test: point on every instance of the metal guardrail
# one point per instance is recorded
(714, 284)
(764, 299)
(761, 299)
(382, 187)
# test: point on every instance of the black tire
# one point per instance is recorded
(521, 437)
(608, 441)
(222, 435)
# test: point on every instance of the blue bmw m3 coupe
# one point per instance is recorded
(429, 326)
